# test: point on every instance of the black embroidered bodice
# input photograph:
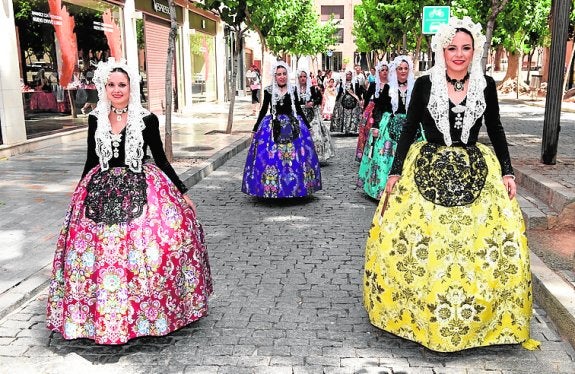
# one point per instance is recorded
(382, 104)
(283, 106)
(419, 114)
(152, 139)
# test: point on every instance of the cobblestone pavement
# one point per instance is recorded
(287, 299)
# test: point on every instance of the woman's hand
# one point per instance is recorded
(190, 203)
(391, 181)
(375, 132)
(510, 186)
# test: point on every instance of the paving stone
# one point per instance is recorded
(282, 302)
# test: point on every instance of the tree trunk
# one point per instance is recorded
(169, 88)
(496, 7)
(417, 52)
(236, 49)
(571, 45)
(509, 82)
(497, 60)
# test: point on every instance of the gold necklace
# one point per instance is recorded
(119, 112)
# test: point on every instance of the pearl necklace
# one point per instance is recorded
(119, 113)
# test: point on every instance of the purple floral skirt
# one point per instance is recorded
(281, 168)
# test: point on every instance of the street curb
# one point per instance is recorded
(192, 176)
(554, 195)
(31, 286)
(556, 296)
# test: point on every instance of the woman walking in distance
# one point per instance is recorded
(281, 161)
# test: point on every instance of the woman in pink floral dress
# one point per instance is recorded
(130, 259)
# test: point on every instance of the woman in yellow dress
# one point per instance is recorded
(446, 260)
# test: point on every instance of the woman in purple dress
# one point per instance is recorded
(281, 162)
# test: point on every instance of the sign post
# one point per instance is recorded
(433, 17)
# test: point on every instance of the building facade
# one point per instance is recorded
(343, 55)
(52, 48)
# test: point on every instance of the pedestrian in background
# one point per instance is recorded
(380, 104)
(281, 161)
(329, 97)
(380, 146)
(309, 99)
(446, 261)
(254, 77)
(130, 258)
(347, 109)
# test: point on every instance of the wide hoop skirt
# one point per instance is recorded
(322, 141)
(449, 278)
(378, 155)
(364, 127)
(115, 282)
(281, 170)
(344, 120)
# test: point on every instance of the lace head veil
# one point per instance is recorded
(276, 90)
(393, 84)
(135, 124)
(439, 100)
(378, 68)
(307, 95)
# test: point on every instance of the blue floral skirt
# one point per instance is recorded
(282, 168)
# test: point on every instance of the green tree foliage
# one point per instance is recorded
(390, 26)
(285, 26)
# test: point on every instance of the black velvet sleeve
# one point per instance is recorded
(152, 138)
(92, 157)
(299, 111)
(495, 128)
(417, 107)
(369, 94)
(382, 105)
(263, 109)
(316, 95)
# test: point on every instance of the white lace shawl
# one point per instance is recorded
(378, 68)
(276, 90)
(438, 105)
(393, 84)
(134, 151)
(307, 95)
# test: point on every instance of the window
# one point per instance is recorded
(333, 62)
(339, 35)
(328, 10)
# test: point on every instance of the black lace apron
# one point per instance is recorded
(117, 195)
(450, 176)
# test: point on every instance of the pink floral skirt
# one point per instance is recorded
(149, 276)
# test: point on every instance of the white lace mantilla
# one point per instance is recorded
(134, 151)
(275, 90)
(438, 105)
(393, 83)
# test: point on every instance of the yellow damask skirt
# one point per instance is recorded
(449, 278)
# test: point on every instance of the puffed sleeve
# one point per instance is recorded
(263, 109)
(495, 128)
(417, 106)
(152, 138)
(92, 157)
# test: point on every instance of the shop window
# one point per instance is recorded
(202, 48)
(60, 47)
(327, 11)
